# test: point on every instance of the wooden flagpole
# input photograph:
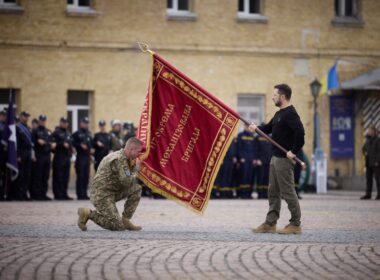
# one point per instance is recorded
(271, 140)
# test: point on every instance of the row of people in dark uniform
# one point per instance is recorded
(245, 168)
(34, 148)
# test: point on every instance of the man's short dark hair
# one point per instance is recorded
(284, 89)
(134, 141)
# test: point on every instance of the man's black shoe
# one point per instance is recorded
(366, 197)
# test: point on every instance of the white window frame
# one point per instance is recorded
(4, 106)
(174, 12)
(245, 111)
(10, 7)
(2, 3)
(75, 9)
(342, 8)
(254, 17)
(74, 113)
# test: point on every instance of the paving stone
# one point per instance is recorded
(341, 240)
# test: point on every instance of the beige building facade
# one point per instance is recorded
(79, 57)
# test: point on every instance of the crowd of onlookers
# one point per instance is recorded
(245, 167)
(35, 146)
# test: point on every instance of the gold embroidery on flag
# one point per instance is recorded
(153, 176)
(182, 84)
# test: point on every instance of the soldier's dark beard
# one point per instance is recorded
(278, 103)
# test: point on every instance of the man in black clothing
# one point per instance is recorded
(102, 144)
(82, 142)
(24, 158)
(61, 162)
(42, 140)
(371, 151)
(287, 130)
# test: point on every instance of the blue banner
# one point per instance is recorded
(342, 127)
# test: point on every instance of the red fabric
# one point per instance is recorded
(186, 132)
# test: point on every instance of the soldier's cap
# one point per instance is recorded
(42, 117)
(63, 119)
(115, 121)
(85, 120)
(25, 114)
(102, 123)
(3, 112)
(34, 120)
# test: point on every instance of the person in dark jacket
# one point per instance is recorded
(25, 154)
(247, 152)
(42, 141)
(264, 155)
(116, 135)
(371, 151)
(102, 144)
(82, 141)
(224, 180)
(62, 159)
(288, 131)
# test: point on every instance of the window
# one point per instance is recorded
(79, 4)
(178, 5)
(10, 6)
(78, 107)
(80, 7)
(345, 8)
(251, 10)
(249, 6)
(347, 13)
(4, 97)
(8, 2)
(179, 9)
(251, 107)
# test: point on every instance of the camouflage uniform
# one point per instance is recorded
(114, 181)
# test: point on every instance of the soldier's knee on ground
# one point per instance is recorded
(116, 225)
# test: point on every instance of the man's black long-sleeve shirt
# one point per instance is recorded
(287, 130)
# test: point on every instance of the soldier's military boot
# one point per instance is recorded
(290, 229)
(129, 226)
(265, 228)
(83, 216)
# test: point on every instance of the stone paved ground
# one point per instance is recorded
(341, 240)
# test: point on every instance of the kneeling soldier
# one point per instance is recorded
(115, 180)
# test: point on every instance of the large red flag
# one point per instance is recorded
(187, 132)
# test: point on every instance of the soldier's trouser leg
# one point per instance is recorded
(369, 175)
(23, 184)
(66, 176)
(45, 175)
(282, 184)
(377, 178)
(133, 195)
(35, 185)
(106, 215)
(82, 167)
(57, 178)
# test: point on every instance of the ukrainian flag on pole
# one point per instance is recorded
(330, 81)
